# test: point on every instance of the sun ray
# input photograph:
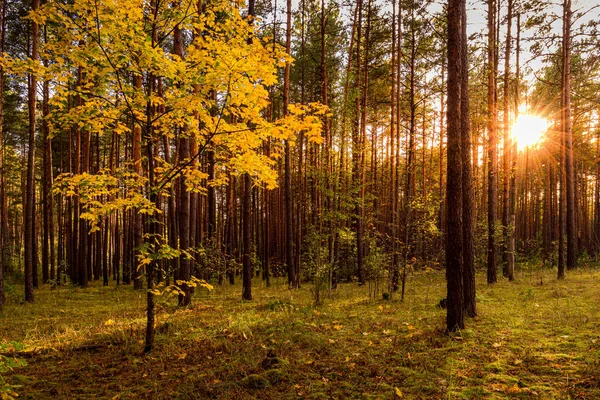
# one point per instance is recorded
(528, 129)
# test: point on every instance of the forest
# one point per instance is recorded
(321, 199)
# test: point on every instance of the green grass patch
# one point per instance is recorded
(530, 340)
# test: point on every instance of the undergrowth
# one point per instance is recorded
(534, 338)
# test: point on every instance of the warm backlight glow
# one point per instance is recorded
(528, 130)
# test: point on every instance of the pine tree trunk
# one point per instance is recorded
(493, 145)
(30, 237)
(3, 200)
(454, 230)
(289, 211)
(568, 131)
(507, 149)
(467, 176)
(356, 152)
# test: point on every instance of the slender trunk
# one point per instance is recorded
(48, 216)
(467, 176)
(247, 238)
(568, 131)
(493, 145)
(137, 218)
(30, 237)
(247, 215)
(183, 212)
(392, 217)
(3, 204)
(507, 148)
(513, 187)
(409, 189)
(289, 211)
(356, 152)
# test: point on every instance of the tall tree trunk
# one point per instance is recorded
(568, 132)
(513, 187)
(493, 146)
(30, 237)
(356, 152)
(247, 214)
(183, 212)
(467, 176)
(48, 212)
(507, 148)
(392, 219)
(289, 211)
(409, 188)
(3, 199)
(454, 230)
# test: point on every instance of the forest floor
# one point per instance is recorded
(534, 338)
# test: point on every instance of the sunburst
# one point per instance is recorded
(528, 130)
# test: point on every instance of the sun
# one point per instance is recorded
(528, 129)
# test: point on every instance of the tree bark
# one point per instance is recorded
(247, 215)
(506, 257)
(30, 237)
(289, 211)
(493, 145)
(467, 176)
(568, 132)
(454, 230)
(3, 202)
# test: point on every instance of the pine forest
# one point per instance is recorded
(299, 199)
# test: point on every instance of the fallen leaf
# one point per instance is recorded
(398, 392)
(514, 389)
(499, 387)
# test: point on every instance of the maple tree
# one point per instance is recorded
(111, 55)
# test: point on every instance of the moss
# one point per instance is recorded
(255, 381)
(21, 380)
(276, 376)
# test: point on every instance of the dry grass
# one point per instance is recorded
(530, 341)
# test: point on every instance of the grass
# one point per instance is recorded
(530, 340)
